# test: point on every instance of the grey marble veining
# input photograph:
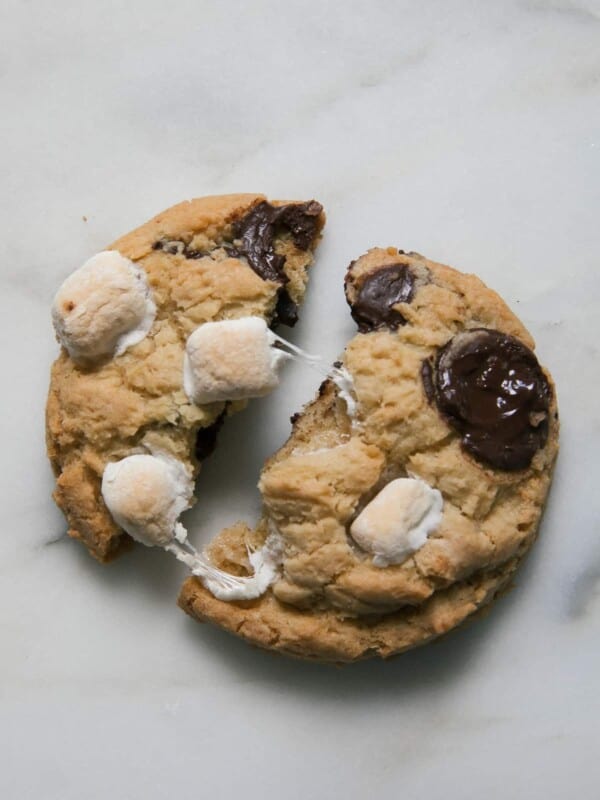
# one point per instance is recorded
(468, 131)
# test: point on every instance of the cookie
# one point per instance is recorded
(403, 512)
(126, 319)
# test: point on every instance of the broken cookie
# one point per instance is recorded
(404, 503)
(124, 319)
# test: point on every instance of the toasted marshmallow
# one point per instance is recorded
(103, 308)
(231, 360)
(145, 495)
(398, 520)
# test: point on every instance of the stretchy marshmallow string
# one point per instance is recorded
(224, 585)
(339, 375)
(267, 559)
(239, 359)
(151, 516)
(302, 354)
(147, 492)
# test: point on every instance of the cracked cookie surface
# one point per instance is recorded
(203, 261)
(331, 601)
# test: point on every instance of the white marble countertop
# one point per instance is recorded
(467, 131)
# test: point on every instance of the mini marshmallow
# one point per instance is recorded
(398, 520)
(231, 360)
(145, 495)
(103, 308)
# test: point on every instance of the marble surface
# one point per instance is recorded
(466, 130)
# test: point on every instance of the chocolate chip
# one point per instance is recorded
(490, 387)
(179, 247)
(379, 293)
(258, 228)
(171, 246)
(206, 438)
(190, 253)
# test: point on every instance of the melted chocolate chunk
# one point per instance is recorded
(206, 438)
(491, 389)
(301, 219)
(259, 227)
(286, 311)
(257, 231)
(381, 290)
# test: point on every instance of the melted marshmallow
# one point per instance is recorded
(231, 360)
(398, 520)
(343, 380)
(235, 359)
(103, 308)
(265, 562)
(146, 494)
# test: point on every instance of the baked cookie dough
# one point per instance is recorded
(405, 503)
(124, 319)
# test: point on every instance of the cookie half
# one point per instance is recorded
(124, 319)
(407, 495)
